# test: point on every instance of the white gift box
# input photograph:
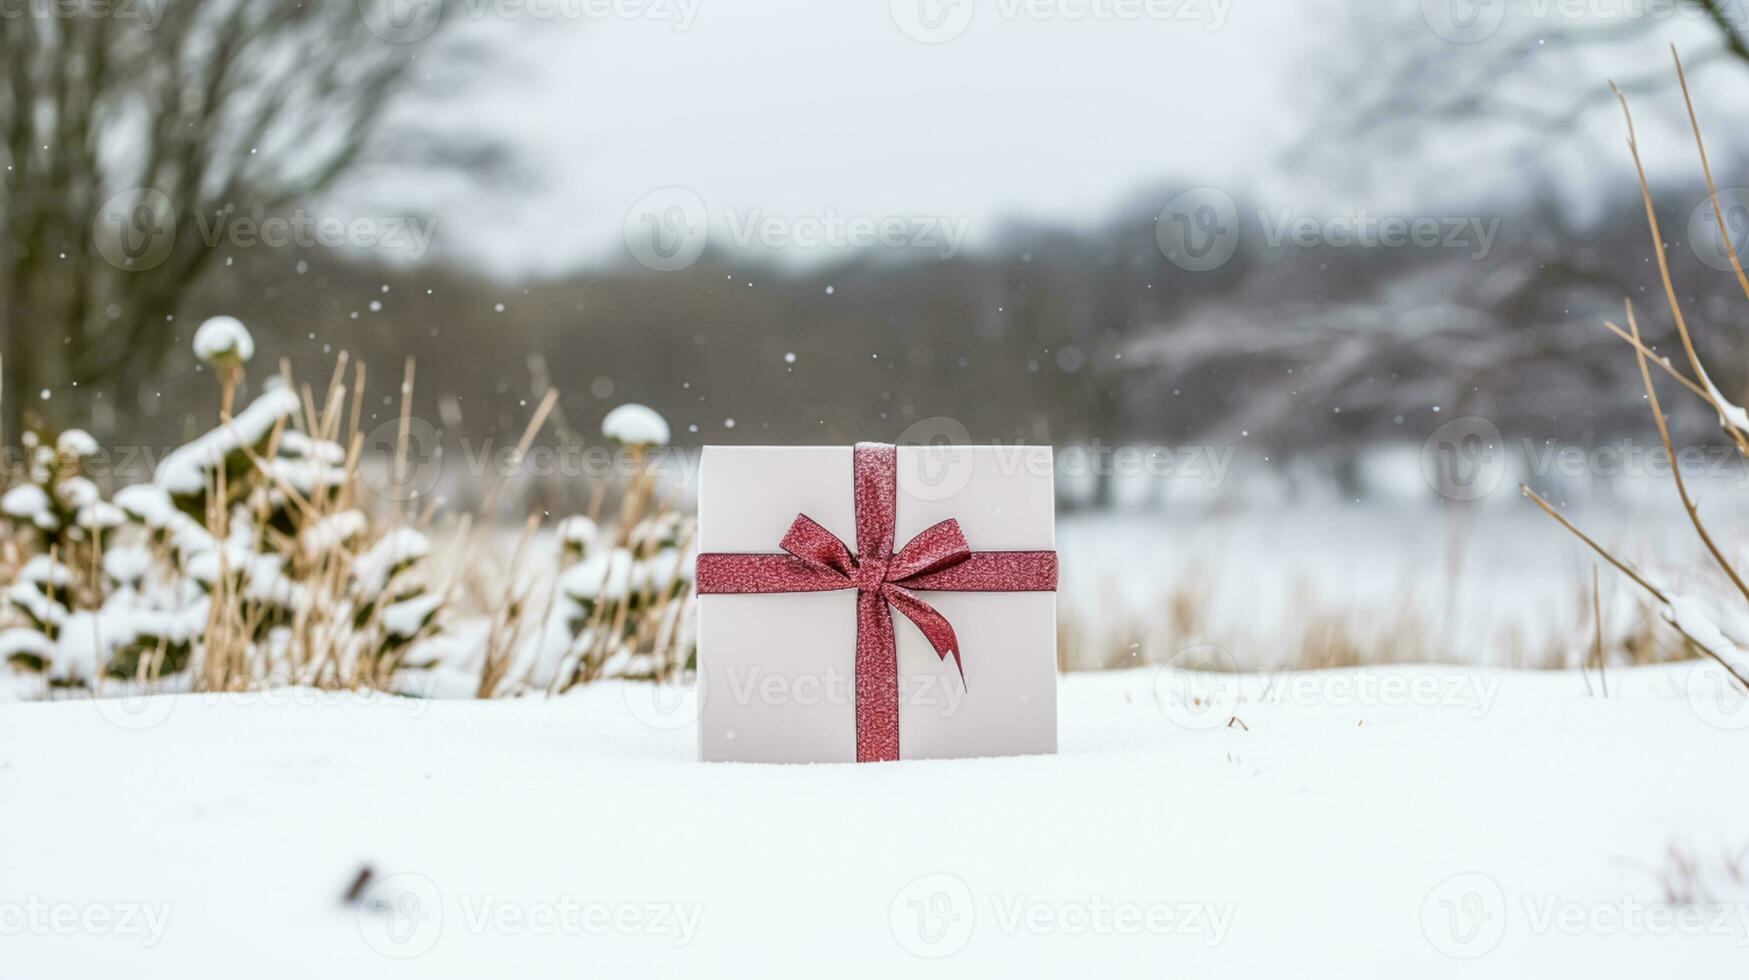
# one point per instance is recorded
(777, 672)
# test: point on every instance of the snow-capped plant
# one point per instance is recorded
(223, 342)
(577, 534)
(620, 606)
(636, 425)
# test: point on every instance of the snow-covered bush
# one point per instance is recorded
(254, 557)
(618, 604)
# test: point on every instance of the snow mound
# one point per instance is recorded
(28, 502)
(636, 425)
(373, 569)
(578, 530)
(76, 443)
(223, 339)
(607, 575)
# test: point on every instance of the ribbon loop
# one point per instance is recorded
(933, 549)
(812, 543)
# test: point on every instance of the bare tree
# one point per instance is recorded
(1538, 66)
(131, 130)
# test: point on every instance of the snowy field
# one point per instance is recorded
(1409, 822)
(1502, 585)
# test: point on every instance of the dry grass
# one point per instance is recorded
(1682, 615)
(1314, 634)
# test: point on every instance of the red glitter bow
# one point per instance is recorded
(937, 560)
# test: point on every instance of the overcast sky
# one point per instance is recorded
(970, 112)
(796, 108)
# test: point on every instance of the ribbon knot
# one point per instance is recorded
(934, 550)
(938, 559)
(871, 574)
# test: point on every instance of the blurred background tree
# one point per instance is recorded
(132, 133)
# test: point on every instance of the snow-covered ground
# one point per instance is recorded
(1409, 822)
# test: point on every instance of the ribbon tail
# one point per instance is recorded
(934, 626)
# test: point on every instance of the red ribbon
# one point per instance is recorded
(937, 560)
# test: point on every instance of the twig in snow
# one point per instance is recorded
(1597, 622)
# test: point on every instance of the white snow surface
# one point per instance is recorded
(1325, 835)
